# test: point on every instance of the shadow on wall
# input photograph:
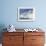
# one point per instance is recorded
(2, 26)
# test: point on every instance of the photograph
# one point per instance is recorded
(26, 14)
(22, 22)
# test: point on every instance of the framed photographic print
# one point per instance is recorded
(26, 14)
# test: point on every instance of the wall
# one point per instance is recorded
(9, 13)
